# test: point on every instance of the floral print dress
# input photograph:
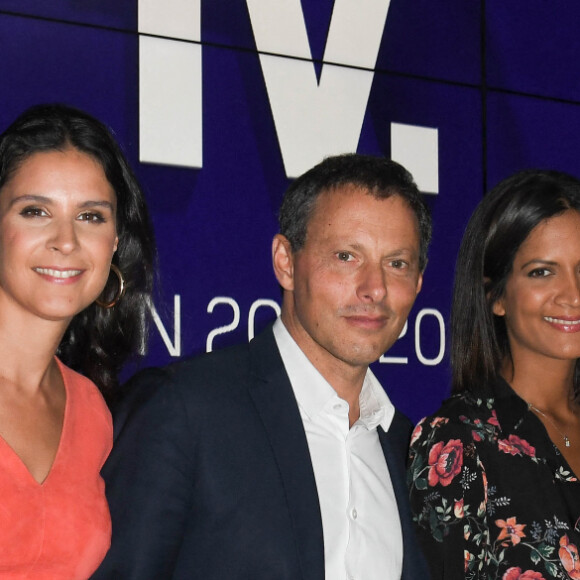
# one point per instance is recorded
(491, 495)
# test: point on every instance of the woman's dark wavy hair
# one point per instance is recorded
(381, 177)
(500, 224)
(98, 341)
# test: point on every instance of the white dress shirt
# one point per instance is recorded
(360, 520)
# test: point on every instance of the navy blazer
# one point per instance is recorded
(210, 475)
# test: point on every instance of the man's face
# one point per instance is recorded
(349, 290)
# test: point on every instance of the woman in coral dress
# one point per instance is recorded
(75, 276)
(493, 474)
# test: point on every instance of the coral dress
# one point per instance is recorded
(61, 528)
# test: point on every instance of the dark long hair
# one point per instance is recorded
(98, 341)
(500, 224)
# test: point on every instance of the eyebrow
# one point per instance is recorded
(48, 201)
(395, 252)
(538, 261)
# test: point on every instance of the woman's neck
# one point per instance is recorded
(547, 385)
(27, 348)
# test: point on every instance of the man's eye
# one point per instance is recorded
(399, 264)
(344, 256)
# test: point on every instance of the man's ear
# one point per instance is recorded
(419, 283)
(283, 262)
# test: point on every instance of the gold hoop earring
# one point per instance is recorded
(120, 291)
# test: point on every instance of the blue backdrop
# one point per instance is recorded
(219, 103)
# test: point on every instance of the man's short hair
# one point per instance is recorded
(380, 177)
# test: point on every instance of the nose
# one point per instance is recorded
(569, 290)
(63, 237)
(372, 284)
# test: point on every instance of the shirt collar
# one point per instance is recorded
(375, 406)
(313, 392)
(510, 408)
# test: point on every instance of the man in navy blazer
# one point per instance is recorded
(283, 459)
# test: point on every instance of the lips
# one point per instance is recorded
(564, 321)
(58, 274)
(371, 322)
(567, 325)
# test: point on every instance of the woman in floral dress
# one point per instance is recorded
(493, 474)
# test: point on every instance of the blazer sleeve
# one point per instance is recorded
(148, 479)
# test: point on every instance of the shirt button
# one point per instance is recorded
(337, 407)
(354, 514)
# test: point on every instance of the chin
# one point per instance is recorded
(59, 312)
(363, 357)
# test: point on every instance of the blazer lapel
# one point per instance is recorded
(274, 399)
(395, 444)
